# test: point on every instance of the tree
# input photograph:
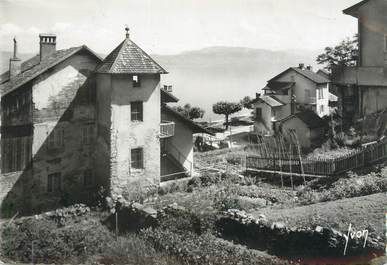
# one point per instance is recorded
(226, 109)
(246, 102)
(344, 54)
(190, 112)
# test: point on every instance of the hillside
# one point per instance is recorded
(202, 77)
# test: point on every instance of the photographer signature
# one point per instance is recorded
(352, 233)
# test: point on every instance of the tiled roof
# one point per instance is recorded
(26, 65)
(318, 79)
(309, 117)
(270, 100)
(33, 68)
(195, 127)
(275, 85)
(311, 75)
(128, 58)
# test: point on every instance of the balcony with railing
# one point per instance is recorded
(167, 129)
(361, 76)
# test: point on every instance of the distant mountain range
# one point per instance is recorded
(203, 77)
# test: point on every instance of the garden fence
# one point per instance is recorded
(364, 156)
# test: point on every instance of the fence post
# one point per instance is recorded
(246, 164)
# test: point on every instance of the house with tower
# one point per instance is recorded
(73, 122)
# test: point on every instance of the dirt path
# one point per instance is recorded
(367, 212)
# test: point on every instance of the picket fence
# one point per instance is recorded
(364, 156)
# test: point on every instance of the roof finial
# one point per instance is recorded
(14, 48)
(127, 31)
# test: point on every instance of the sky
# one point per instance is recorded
(175, 26)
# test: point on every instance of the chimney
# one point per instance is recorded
(309, 67)
(301, 66)
(47, 44)
(14, 62)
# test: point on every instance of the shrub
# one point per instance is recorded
(205, 249)
(51, 242)
(234, 159)
(130, 249)
(353, 186)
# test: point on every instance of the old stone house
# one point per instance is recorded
(72, 123)
(293, 90)
(362, 89)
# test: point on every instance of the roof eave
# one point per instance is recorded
(170, 98)
(353, 10)
(195, 127)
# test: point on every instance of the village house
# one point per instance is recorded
(73, 123)
(362, 89)
(307, 126)
(294, 90)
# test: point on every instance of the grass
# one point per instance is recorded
(365, 212)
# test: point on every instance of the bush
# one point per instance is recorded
(52, 243)
(130, 249)
(179, 220)
(205, 249)
(234, 159)
(353, 186)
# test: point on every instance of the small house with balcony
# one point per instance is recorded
(73, 123)
(362, 89)
(294, 90)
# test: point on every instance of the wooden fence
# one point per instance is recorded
(321, 167)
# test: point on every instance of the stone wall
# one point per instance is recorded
(280, 240)
(63, 133)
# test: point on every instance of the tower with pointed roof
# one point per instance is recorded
(72, 122)
(128, 120)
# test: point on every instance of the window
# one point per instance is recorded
(321, 109)
(320, 92)
(87, 178)
(136, 81)
(87, 134)
(54, 182)
(136, 113)
(258, 113)
(15, 153)
(137, 158)
(56, 138)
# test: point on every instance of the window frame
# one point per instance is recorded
(55, 139)
(137, 162)
(139, 115)
(54, 182)
(256, 114)
(87, 134)
(136, 81)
